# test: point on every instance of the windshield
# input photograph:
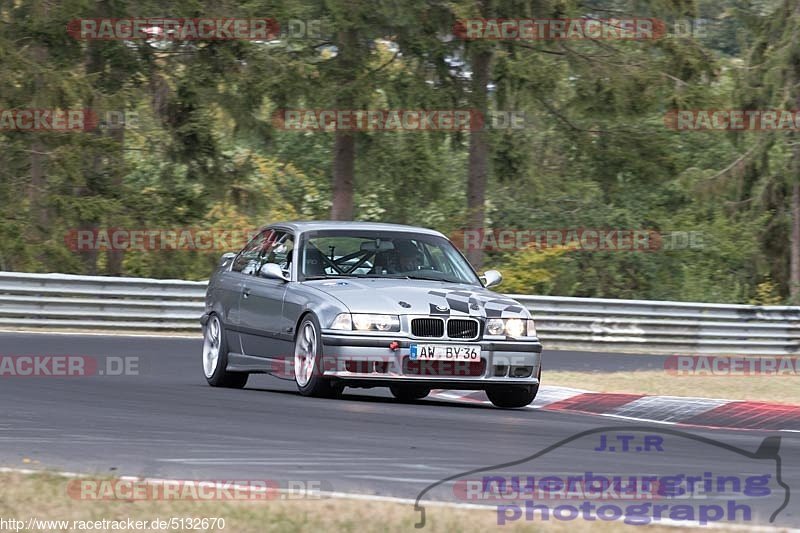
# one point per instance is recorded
(370, 254)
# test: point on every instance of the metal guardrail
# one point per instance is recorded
(98, 302)
(61, 301)
(650, 326)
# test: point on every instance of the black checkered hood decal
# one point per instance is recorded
(471, 303)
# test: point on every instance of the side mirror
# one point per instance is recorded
(226, 258)
(272, 271)
(491, 278)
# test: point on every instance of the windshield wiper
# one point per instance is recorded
(431, 278)
(356, 276)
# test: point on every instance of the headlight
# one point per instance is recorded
(362, 322)
(495, 326)
(513, 327)
(342, 321)
(386, 323)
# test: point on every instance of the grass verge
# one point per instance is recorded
(45, 497)
(764, 388)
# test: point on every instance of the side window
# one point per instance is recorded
(247, 262)
(280, 251)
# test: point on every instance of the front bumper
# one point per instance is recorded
(369, 361)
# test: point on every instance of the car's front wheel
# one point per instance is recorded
(308, 361)
(407, 393)
(215, 357)
(511, 397)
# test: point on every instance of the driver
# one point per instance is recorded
(406, 257)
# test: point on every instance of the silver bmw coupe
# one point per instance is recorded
(356, 304)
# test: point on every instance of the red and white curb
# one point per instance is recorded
(677, 410)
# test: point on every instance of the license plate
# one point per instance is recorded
(445, 352)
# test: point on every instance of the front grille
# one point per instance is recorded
(457, 328)
(427, 327)
(444, 368)
(460, 328)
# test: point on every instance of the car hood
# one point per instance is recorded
(419, 297)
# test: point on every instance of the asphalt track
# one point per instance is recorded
(166, 422)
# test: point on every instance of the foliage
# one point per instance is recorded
(531, 270)
(204, 153)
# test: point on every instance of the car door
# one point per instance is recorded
(262, 324)
(232, 285)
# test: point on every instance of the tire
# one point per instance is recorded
(308, 362)
(215, 357)
(407, 393)
(512, 397)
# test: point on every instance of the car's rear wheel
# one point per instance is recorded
(511, 397)
(215, 357)
(308, 368)
(408, 393)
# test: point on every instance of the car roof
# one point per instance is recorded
(300, 226)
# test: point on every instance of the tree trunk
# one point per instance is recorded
(344, 155)
(478, 172)
(114, 258)
(37, 193)
(794, 245)
(95, 64)
(344, 142)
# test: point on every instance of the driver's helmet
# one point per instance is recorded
(406, 256)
